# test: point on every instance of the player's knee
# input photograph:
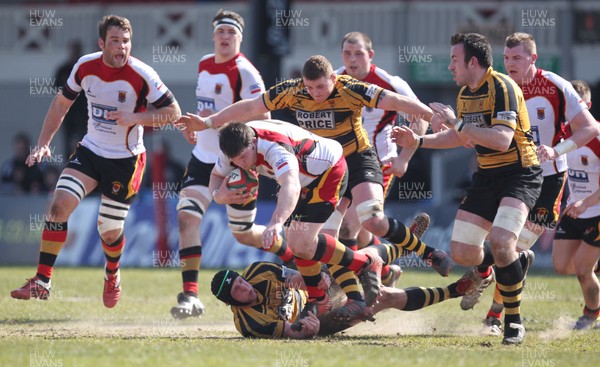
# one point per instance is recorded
(561, 267)
(111, 219)
(511, 220)
(187, 221)
(299, 249)
(376, 225)
(465, 255)
(370, 211)
(189, 208)
(111, 237)
(467, 243)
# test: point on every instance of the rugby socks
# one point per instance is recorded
(54, 236)
(311, 273)
(281, 249)
(347, 281)
(497, 305)
(113, 253)
(594, 314)
(484, 268)
(330, 251)
(510, 283)
(189, 261)
(403, 239)
(419, 297)
(352, 244)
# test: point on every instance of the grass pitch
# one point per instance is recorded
(74, 329)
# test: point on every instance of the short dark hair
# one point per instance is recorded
(317, 67)
(353, 38)
(235, 137)
(229, 14)
(113, 21)
(475, 45)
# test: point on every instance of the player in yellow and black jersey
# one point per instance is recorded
(498, 101)
(492, 116)
(330, 105)
(338, 117)
(267, 298)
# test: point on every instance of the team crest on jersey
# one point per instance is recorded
(218, 88)
(122, 96)
(541, 113)
(116, 187)
(584, 160)
(304, 193)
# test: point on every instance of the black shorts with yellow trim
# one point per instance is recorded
(585, 229)
(486, 191)
(363, 167)
(547, 208)
(319, 199)
(119, 179)
(197, 173)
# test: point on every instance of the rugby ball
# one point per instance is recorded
(240, 178)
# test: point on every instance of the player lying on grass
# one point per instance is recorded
(267, 298)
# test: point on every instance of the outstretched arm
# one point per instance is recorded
(243, 110)
(410, 107)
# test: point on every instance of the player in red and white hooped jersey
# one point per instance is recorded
(282, 147)
(551, 102)
(312, 175)
(111, 156)
(224, 77)
(576, 248)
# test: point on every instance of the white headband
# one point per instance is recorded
(228, 21)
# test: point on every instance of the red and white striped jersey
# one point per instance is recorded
(220, 85)
(282, 147)
(584, 173)
(128, 89)
(551, 101)
(377, 122)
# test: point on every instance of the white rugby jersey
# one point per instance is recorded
(377, 122)
(282, 146)
(220, 85)
(128, 89)
(551, 101)
(584, 174)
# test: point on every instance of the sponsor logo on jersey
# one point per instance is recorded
(281, 163)
(100, 111)
(477, 119)
(584, 160)
(218, 88)
(541, 113)
(254, 88)
(89, 93)
(510, 116)
(316, 119)
(206, 104)
(578, 175)
(373, 89)
(122, 96)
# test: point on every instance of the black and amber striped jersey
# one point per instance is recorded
(339, 117)
(276, 302)
(498, 101)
